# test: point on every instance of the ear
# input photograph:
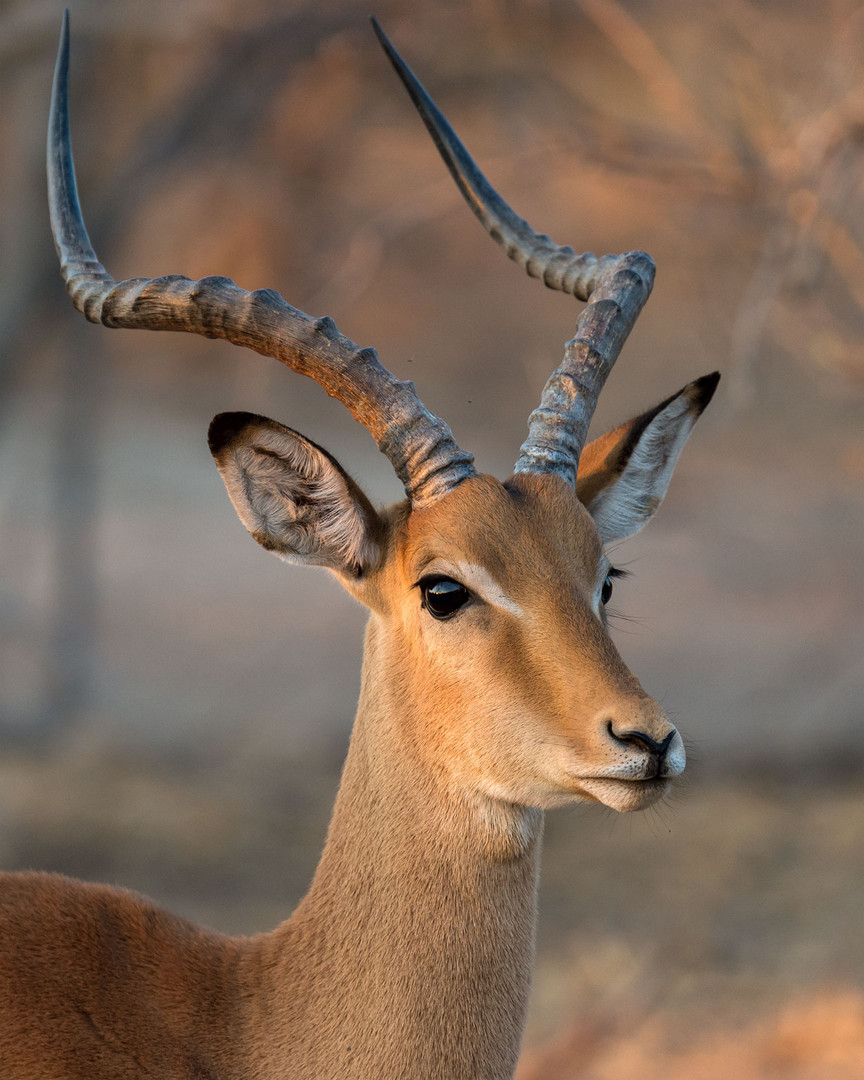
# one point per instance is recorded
(624, 474)
(294, 499)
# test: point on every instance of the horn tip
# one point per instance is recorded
(387, 45)
(63, 47)
(379, 31)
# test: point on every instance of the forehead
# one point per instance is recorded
(532, 526)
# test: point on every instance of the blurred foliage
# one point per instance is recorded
(175, 712)
(272, 144)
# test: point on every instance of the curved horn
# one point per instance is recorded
(615, 286)
(419, 444)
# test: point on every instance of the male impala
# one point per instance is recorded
(491, 690)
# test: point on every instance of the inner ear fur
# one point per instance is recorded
(293, 497)
(624, 474)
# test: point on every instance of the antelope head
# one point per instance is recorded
(488, 653)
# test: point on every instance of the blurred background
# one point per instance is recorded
(175, 705)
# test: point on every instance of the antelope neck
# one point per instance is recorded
(414, 947)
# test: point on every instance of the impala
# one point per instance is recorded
(491, 691)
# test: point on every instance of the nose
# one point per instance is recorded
(639, 730)
(642, 740)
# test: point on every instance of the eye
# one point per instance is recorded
(442, 597)
(608, 584)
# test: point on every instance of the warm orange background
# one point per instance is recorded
(174, 704)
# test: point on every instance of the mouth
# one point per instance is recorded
(625, 796)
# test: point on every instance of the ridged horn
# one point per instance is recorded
(419, 444)
(615, 287)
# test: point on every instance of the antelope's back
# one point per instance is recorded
(98, 982)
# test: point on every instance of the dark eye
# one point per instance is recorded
(606, 591)
(443, 597)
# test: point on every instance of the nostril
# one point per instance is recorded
(640, 739)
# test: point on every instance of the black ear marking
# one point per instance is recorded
(701, 391)
(226, 427)
(624, 474)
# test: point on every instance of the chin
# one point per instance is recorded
(625, 796)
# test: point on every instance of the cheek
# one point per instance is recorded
(471, 655)
(494, 718)
(458, 651)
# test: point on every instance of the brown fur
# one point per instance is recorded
(410, 958)
(411, 955)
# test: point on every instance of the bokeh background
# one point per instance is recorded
(174, 704)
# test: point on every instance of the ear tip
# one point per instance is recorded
(224, 428)
(703, 388)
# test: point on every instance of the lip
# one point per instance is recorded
(624, 794)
